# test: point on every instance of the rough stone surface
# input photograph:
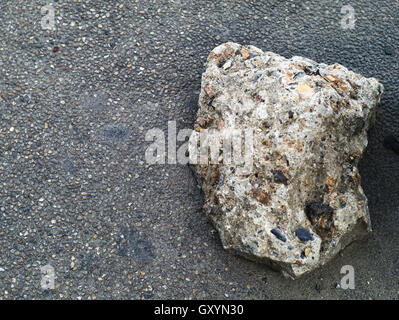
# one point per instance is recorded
(301, 202)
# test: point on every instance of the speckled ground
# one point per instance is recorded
(75, 104)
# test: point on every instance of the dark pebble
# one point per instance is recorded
(209, 102)
(312, 70)
(303, 234)
(266, 124)
(221, 63)
(317, 209)
(279, 235)
(279, 177)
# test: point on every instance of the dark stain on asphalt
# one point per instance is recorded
(136, 246)
(116, 133)
(89, 263)
(391, 143)
(69, 166)
(94, 101)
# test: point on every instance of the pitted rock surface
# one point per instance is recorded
(301, 202)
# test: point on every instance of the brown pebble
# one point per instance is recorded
(209, 91)
(261, 195)
(245, 53)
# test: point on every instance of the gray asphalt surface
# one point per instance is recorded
(75, 104)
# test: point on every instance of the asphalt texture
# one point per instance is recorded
(75, 190)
